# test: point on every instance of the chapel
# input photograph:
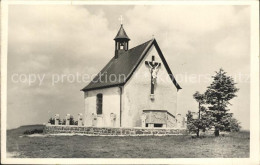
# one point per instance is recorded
(136, 88)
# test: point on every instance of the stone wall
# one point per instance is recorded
(109, 131)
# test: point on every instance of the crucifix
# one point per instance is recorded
(153, 68)
(121, 19)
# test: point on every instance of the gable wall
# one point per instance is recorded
(111, 104)
(136, 92)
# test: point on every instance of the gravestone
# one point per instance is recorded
(143, 118)
(80, 119)
(113, 119)
(94, 120)
(68, 119)
(57, 119)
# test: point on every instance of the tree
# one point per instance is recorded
(202, 122)
(192, 123)
(51, 121)
(218, 95)
(200, 98)
(234, 125)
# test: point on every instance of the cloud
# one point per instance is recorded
(196, 34)
(64, 34)
(49, 40)
(182, 25)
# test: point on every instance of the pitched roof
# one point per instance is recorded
(121, 34)
(118, 71)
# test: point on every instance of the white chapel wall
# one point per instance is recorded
(136, 92)
(111, 104)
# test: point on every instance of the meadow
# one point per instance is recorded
(233, 145)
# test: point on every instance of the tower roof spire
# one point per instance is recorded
(122, 34)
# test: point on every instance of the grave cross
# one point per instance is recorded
(153, 67)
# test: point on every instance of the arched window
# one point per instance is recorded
(99, 103)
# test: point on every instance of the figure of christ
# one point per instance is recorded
(153, 68)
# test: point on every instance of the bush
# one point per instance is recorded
(234, 125)
(198, 124)
(72, 121)
(33, 131)
(51, 121)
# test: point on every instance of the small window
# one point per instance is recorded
(153, 58)
(158, 125)
(99, 103)
(146, 125)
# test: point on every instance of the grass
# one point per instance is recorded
(234, 145)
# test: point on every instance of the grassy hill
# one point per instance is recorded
(234, 145)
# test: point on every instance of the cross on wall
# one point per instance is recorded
(153, 67)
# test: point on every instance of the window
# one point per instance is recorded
(158, 125)
(99, 103)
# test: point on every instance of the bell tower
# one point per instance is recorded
(121, 40)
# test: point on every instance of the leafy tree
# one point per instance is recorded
(234, 125)
(200, 98)
(203, 122)
(218, 95)
(192, 124)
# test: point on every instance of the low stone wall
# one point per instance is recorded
(108, 131)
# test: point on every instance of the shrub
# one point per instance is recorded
(33, 131)
(51, 121)
(234, 125)
(72, 121)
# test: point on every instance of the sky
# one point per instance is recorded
(48, 45)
